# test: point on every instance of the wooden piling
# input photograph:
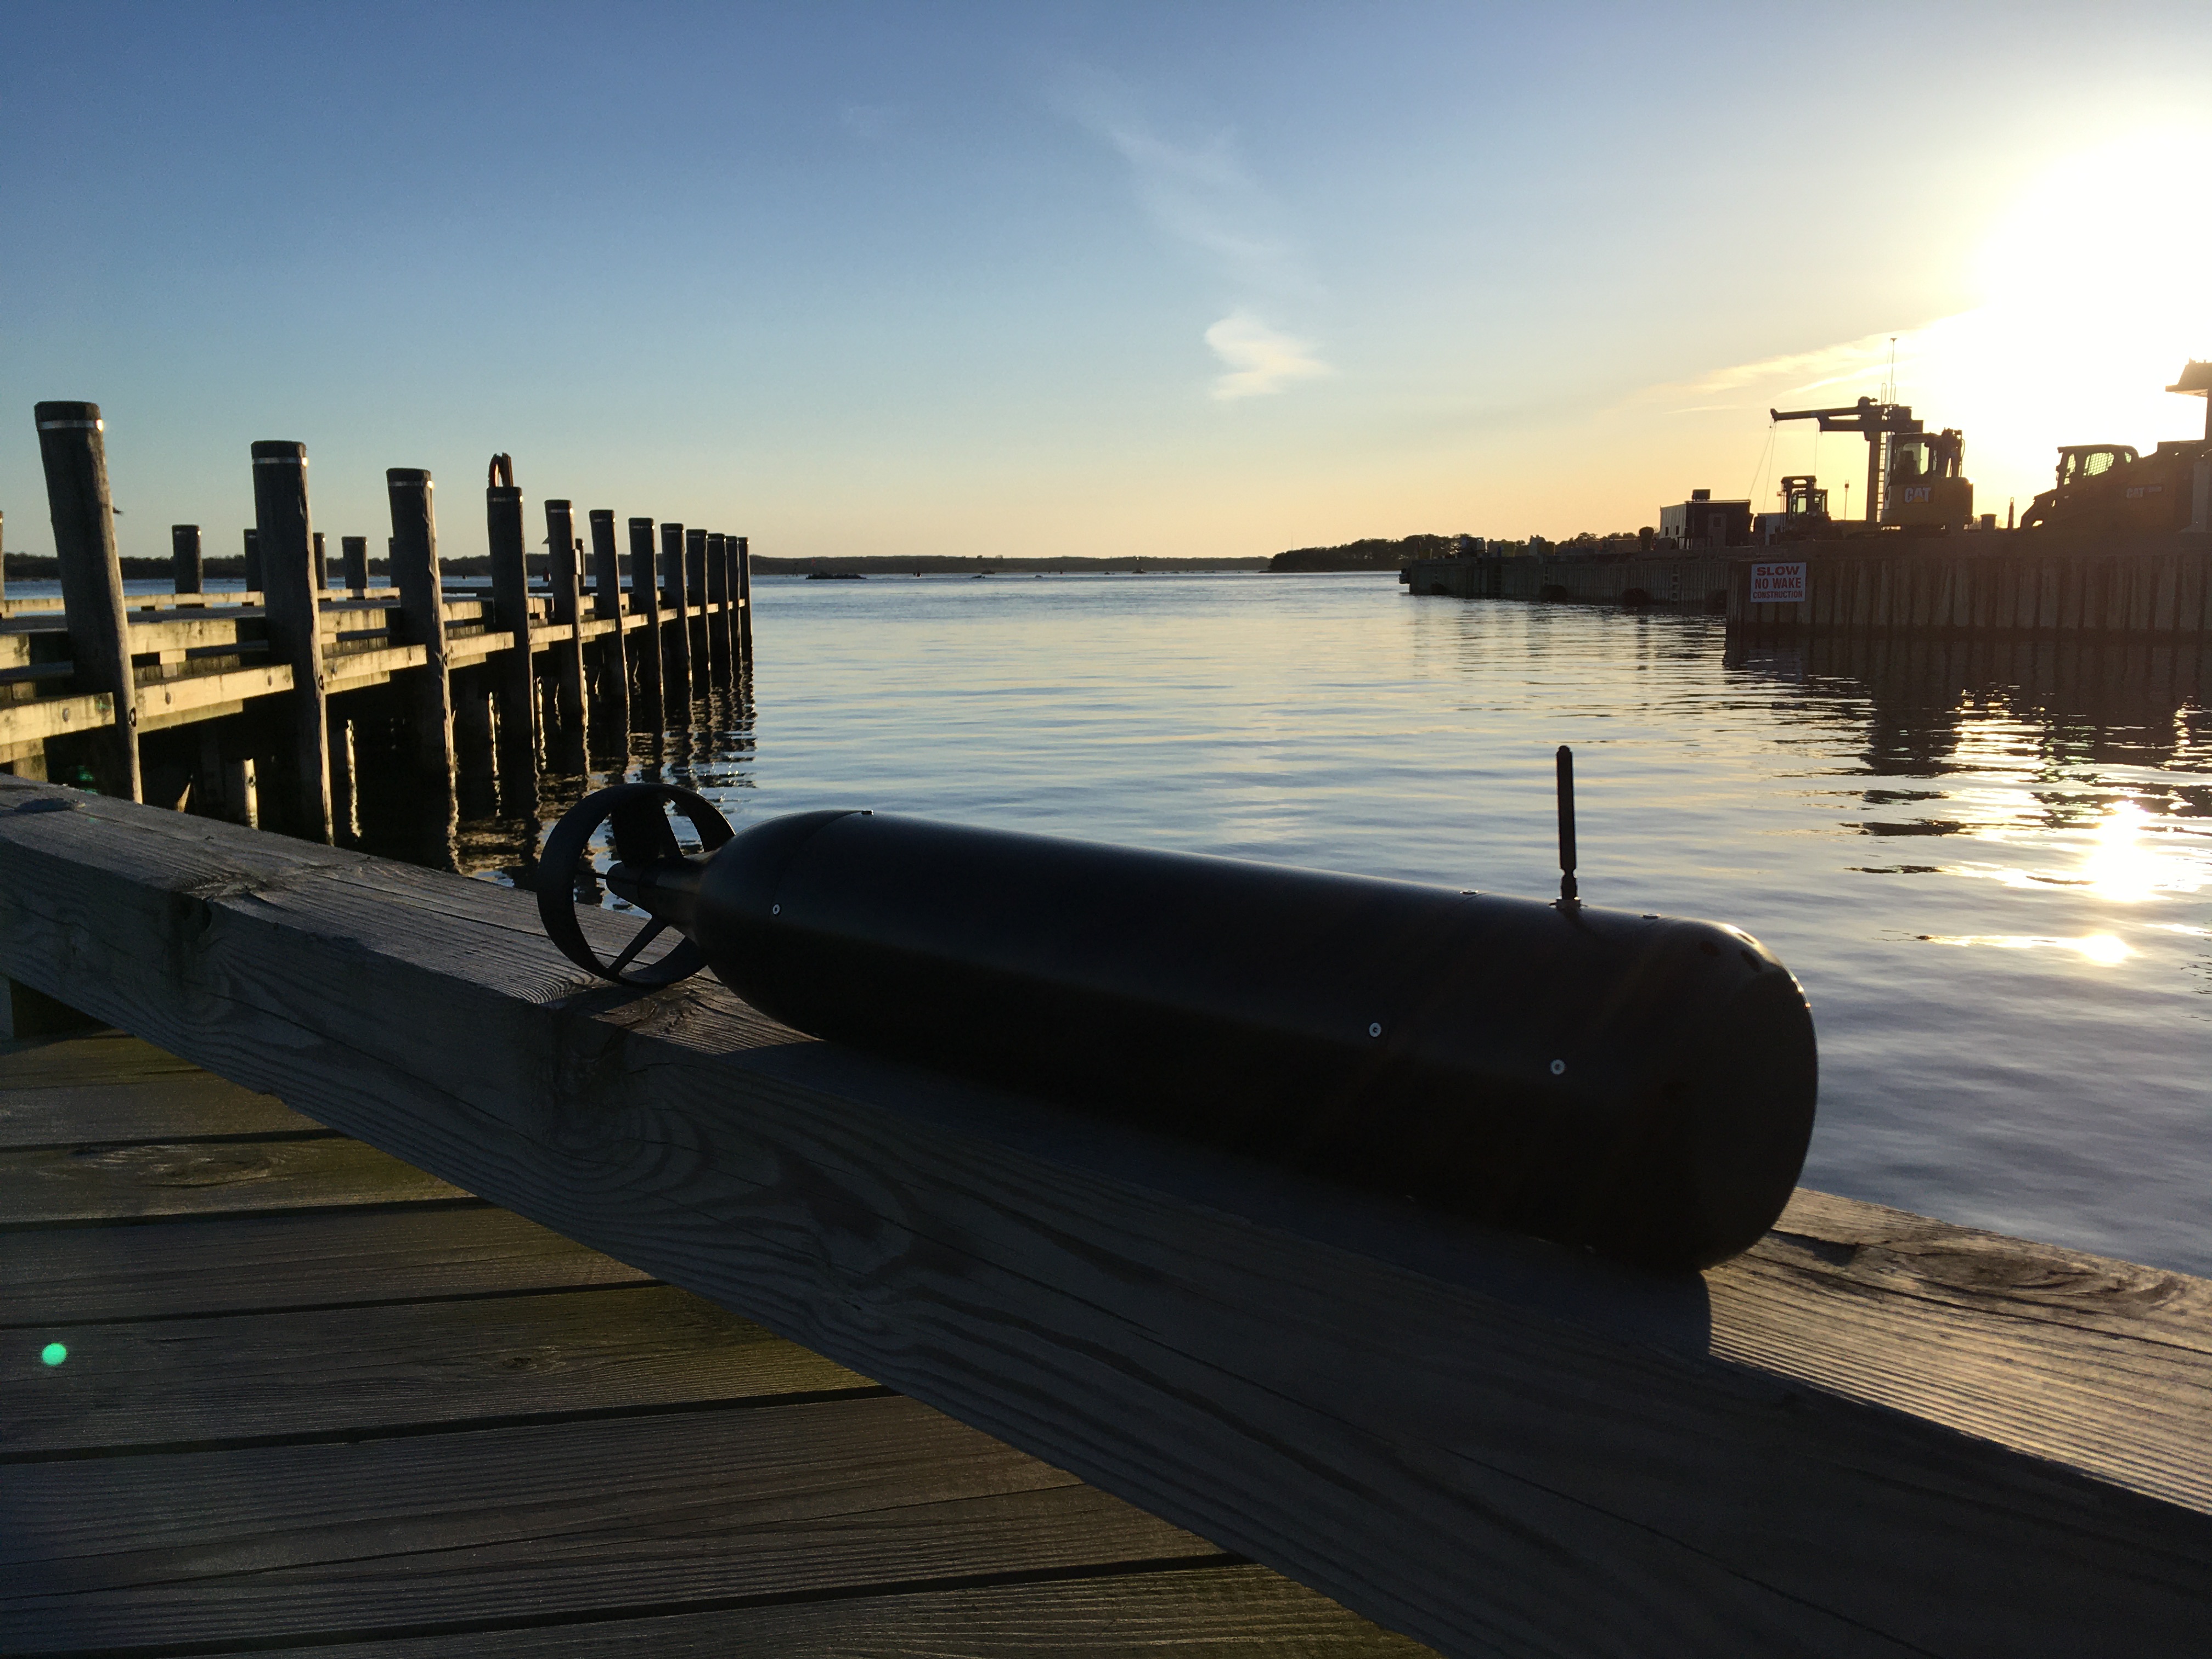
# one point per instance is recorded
(322, 568)
(737, 634)
(300, 793)
(565, 581)
(357, 564)
(677, 599)
(345, 819)
(718, 618)
(510, 587)
(746, 600)
(421, 619)
(694, 589)
(644, 598)
(730, 619)
(474, 726)
(253, 562)
(224, 784)
(188, 569)
(73, 447)
(607, 605)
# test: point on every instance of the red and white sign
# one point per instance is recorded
(1779, 584)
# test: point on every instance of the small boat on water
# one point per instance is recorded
(834, 576)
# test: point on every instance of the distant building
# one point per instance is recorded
(1701, 522)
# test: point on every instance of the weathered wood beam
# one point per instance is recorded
(196, 697)
(1875, 1434)
(55, 717)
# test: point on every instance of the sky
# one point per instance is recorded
(1051, 278)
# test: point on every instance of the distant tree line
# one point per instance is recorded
(978, 563)
(1381, 553)
(1375, 553)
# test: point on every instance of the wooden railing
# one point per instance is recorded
(276, 672)
(1874, 1434)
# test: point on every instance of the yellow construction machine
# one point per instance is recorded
(2103, 487)
(1914, 477)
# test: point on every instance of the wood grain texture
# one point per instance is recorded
(107, 1087)
(348, 1371)
(1222, 1612)
(44, 1185)
(268, 1263)
(528, 1523)
(1494, 1446)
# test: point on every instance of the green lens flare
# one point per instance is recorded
(53, 1353)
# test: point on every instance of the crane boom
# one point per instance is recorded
(1872, 421)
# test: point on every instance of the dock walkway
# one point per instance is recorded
(315, 1398)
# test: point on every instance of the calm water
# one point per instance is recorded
(1987, 864)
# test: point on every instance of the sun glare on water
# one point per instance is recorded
(2122, 865)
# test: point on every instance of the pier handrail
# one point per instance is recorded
(1874, 1434)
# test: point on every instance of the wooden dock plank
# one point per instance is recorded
(383, 1365)
(107, 1087)
(1236, 1612)
(41, 1186)
(267, 1263)
(497, 1524)
(172, 1383)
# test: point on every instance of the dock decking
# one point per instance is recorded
(315, 1398)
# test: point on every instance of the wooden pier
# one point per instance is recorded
(294, 704)
(1874, 1434)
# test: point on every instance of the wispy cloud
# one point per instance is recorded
(1197, 191)
(1200, 194)
(1849, 362)
(1260, 359)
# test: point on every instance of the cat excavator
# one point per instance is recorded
(1914, 477)
(2115, 486)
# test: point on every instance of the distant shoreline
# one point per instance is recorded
(41, 567)
(941, 564)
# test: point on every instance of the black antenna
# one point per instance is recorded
(1568, 898)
